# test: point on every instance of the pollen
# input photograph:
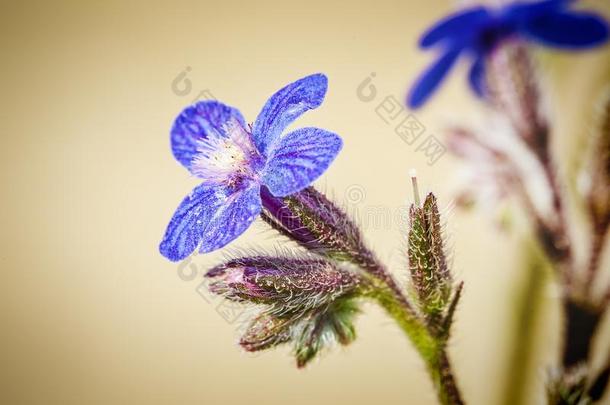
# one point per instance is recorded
(228, 156)
(225, 156)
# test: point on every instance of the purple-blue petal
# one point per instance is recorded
(196, 122)
(299, 158)
(476, 76)
(193, 215)
(525, 9)
(241, 207)
(203, 219)
(431, 78)
(454, 26)
(571, 30)
(285, 106)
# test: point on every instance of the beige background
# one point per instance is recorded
(91, 313)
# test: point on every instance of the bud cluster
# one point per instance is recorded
(307, 301)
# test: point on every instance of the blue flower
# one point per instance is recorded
(478, 31)
(234, 160)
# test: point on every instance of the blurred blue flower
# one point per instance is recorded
(478, 31)
(233, 161)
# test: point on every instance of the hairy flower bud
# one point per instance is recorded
(310, 333)
(309, 302)
(427, 261)
(316, 223)
(287, 285)
(333, 324)
(266, 331)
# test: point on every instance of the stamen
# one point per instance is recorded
(225, 156)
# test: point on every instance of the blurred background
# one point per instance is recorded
(91, 312)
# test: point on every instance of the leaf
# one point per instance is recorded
(448, 321)
(324, 328)
(310, 333)
(266, 331)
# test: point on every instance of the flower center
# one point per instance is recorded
(227, 156)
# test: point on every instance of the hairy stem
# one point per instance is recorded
(563, 257)
(367, 261)
(599, 239)
(317, 224)
(442, 376)
(432, 352)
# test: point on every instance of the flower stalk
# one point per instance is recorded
(317, 224)
(432, 349)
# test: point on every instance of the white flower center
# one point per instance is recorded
(223, 158)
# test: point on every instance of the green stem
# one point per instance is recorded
(432, 352)
(312, 220)
(443, 379)
(529, 307)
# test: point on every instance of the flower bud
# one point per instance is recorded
(427, 261)
(322, 328)
(316, 223)
(309, 333)
(287, 285)
(266, 331)
(309, 302)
